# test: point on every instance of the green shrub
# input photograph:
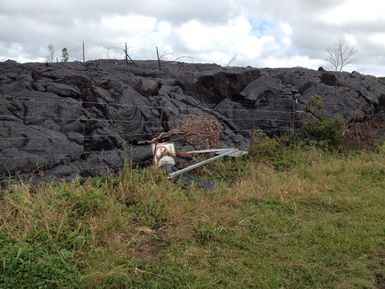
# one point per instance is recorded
(261, 145)
(324, 132)
(271, 150)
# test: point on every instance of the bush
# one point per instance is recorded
(261, 145)
(270, 150)
(325, 133)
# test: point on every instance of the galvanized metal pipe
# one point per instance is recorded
(182, 153)
(202, 163)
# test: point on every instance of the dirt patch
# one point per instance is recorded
(149, 244)
(148, 249)
(379, 275)
(380, 280)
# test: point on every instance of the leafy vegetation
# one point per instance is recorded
(326, 133)
(285, 217)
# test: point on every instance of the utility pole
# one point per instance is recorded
(84, 56)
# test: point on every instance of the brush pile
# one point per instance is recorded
(198, 131)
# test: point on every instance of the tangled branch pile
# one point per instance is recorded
(198, 131)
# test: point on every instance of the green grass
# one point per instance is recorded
(304, 219)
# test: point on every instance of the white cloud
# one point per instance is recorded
(297, 60)
(219, 43)
(164, 28)
(356, 11)
(378, 38)
(130, 23)
(291, 32)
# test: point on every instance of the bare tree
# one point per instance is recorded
(340, 55)
(164, 56)
(232, 60)
(51, 52)
(64, 55)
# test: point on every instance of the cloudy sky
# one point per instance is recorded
(280, 33)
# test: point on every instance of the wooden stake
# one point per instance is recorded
(128, 56)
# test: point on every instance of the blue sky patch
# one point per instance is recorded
(260, 27)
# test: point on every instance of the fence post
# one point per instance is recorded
(127, 57)
(158, 134)
(294, 108)
(125, 53)
(84, 56)
(157, 54)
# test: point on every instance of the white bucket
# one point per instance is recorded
(161, 149)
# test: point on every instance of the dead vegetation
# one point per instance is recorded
(363, 135)
(199, 131)
(194, 130)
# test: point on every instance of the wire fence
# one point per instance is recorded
(284, 118)
(157, 107)
(86, 51)
(41, 155)
(280, 120)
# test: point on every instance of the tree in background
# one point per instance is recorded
(340, 55)
(51, 52)
(64, 55)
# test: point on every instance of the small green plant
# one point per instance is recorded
(261, 145)
(271, 150)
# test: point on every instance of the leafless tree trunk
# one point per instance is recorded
(51, 52)
(340, 55)
(64, 55)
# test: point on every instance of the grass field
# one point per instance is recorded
(308, 219)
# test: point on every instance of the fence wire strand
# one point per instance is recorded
(157, 107)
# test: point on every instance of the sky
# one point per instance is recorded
(279, 33)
